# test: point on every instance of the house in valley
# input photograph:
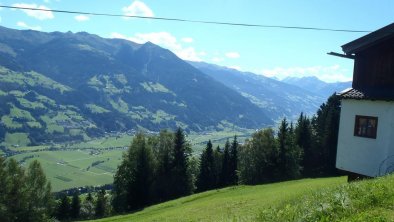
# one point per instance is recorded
(366, 131)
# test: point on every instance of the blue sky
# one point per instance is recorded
(267, 51)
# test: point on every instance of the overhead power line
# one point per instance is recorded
(186, 20)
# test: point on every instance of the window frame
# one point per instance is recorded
(357, 126)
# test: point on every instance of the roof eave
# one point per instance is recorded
(366, 41)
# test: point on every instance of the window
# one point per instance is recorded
(366, 126)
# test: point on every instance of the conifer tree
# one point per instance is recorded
(180, 176)
(225, 172)
(206, 179)
(326, 125)
(101, 204)
(63, 209)
(233, 176)
(303, 138)
(133, 179)
(140, 188)
(289, 152)
(217, 165)
(163, 154)
(75, 206)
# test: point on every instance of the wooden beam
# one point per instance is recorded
(341, 55)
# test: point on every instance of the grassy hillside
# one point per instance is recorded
(368, 200)
(242, 203)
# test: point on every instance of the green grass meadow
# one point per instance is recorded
(73, 168)
(68, 165)
(239, 203)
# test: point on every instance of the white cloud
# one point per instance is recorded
(41, 15)
(232, 55)
(81, 18)
(187, 40)
(138, 8)
(332, 73)
(24, 25)
(164, 39)
(50, 1)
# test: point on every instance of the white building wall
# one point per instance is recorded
(366, 156)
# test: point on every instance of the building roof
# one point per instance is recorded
(381, 94)
(369, 40)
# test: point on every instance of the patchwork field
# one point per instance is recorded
(74, 168)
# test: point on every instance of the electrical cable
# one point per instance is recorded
(186, 20)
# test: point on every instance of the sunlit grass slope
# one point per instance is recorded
(368, 200)
(240, 203)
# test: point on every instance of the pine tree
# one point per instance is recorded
(133, 179)
(75, 206)
(122, 180)
(101, 204)
(217, 165)
(304, 139)
(206, 179)
(289, 152)
(63, 209)
(163, 152)
(142, 173)
(225, 172)
(180, 176)
(233, 176)
(326, 125)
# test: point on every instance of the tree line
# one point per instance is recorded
(161, 167)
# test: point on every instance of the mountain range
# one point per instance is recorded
(58, 87)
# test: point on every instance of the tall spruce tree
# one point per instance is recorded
(133, 179)
(225, 172)
(217, 165)
(304, 139)
(63, 208)
(206, 179)
(233, 176)
(101, 204)
(326, 125)
(180, 176)
(289, 152)
(162, 149)
(75, 210)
